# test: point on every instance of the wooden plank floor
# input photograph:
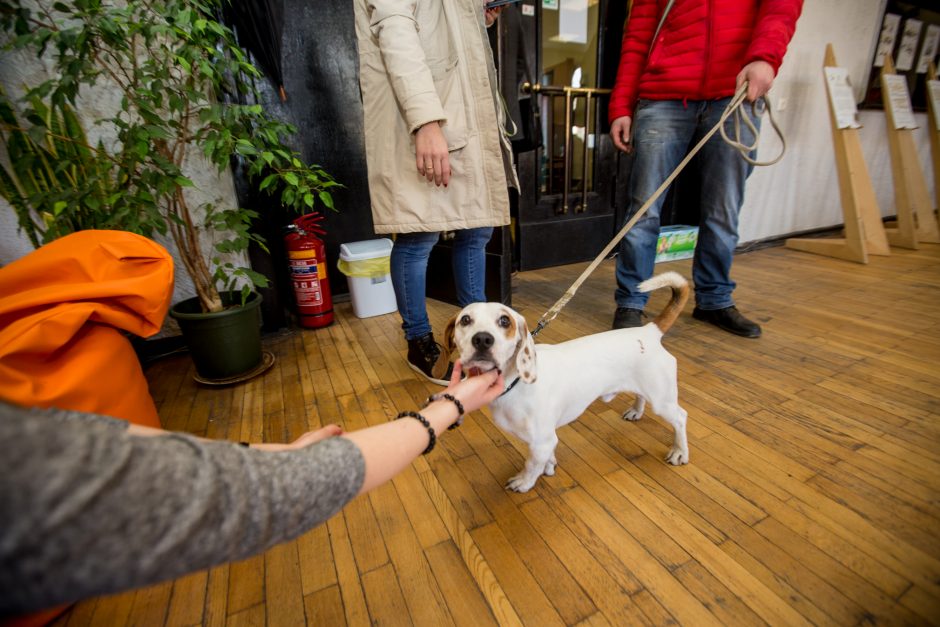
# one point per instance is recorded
(812, 496)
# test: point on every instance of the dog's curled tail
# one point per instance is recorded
(680, 294)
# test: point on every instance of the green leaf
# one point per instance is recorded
(37, 134)
(257, 278)
(246, 148)
(268, 180)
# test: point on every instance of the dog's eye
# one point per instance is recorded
(503, 322)
(465, 320)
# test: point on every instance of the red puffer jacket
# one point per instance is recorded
(700, 49)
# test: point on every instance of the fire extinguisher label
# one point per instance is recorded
(304, 274)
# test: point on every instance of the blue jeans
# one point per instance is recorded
(663, 133)
(409, 266)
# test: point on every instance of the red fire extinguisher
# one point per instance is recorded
(306, 256)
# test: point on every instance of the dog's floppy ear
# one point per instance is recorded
(525, 352)
(450, 342)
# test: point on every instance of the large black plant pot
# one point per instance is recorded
(224, 345)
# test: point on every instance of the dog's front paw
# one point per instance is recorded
(632, 414)
(677, 456)
(521, 483)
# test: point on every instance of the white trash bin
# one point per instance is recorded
(366, 264)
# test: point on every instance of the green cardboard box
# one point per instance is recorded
(676, 242)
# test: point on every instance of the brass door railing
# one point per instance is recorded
(570, 94)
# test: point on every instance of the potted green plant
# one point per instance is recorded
(180, 81)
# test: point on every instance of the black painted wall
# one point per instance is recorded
(321, 80)
(321, 77)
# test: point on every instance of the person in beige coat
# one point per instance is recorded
(436, 151)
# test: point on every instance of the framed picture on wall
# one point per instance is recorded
(910, 33)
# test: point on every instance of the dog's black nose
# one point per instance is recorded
(482, 340)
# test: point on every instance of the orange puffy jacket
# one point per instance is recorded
(63, 308)
(700, 49)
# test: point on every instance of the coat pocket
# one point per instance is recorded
(446, 75)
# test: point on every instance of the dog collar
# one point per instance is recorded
(509, 389)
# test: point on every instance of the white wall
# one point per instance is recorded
(802, 191)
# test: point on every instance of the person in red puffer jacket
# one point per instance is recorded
(680, 64)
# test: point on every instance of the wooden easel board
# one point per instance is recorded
(864, 231)
(933, 119)
(915, 218)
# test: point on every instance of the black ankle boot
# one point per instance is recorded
(728, 319)
(627, 318)
(425, 357)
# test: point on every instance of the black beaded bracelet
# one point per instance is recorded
(452, 399)
(432, 437)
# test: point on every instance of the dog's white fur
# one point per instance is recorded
(559, 381)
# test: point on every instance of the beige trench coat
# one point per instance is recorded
(421, 61)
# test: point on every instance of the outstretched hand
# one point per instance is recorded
(475, 392)
(311, 437)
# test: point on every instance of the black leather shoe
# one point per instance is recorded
(424, 357)
(627, 318)
(728, 319)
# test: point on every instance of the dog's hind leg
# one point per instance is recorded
(636, 412)
(541, 461)
(550, 466)
(676, 416)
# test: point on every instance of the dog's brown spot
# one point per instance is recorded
(511, 329)
(527, 351)
(450, 339)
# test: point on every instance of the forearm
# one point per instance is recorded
(144, 431)
(390, 447)
(635, 46)
(393, 24)
(96, 513)
(88, 506)
(773, 30)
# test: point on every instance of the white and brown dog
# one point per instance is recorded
(550, 385)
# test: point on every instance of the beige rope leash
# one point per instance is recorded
(733, 107)
(739, 118)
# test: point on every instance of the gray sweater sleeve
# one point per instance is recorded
(87, 509)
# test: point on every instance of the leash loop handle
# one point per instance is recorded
(741, 117)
